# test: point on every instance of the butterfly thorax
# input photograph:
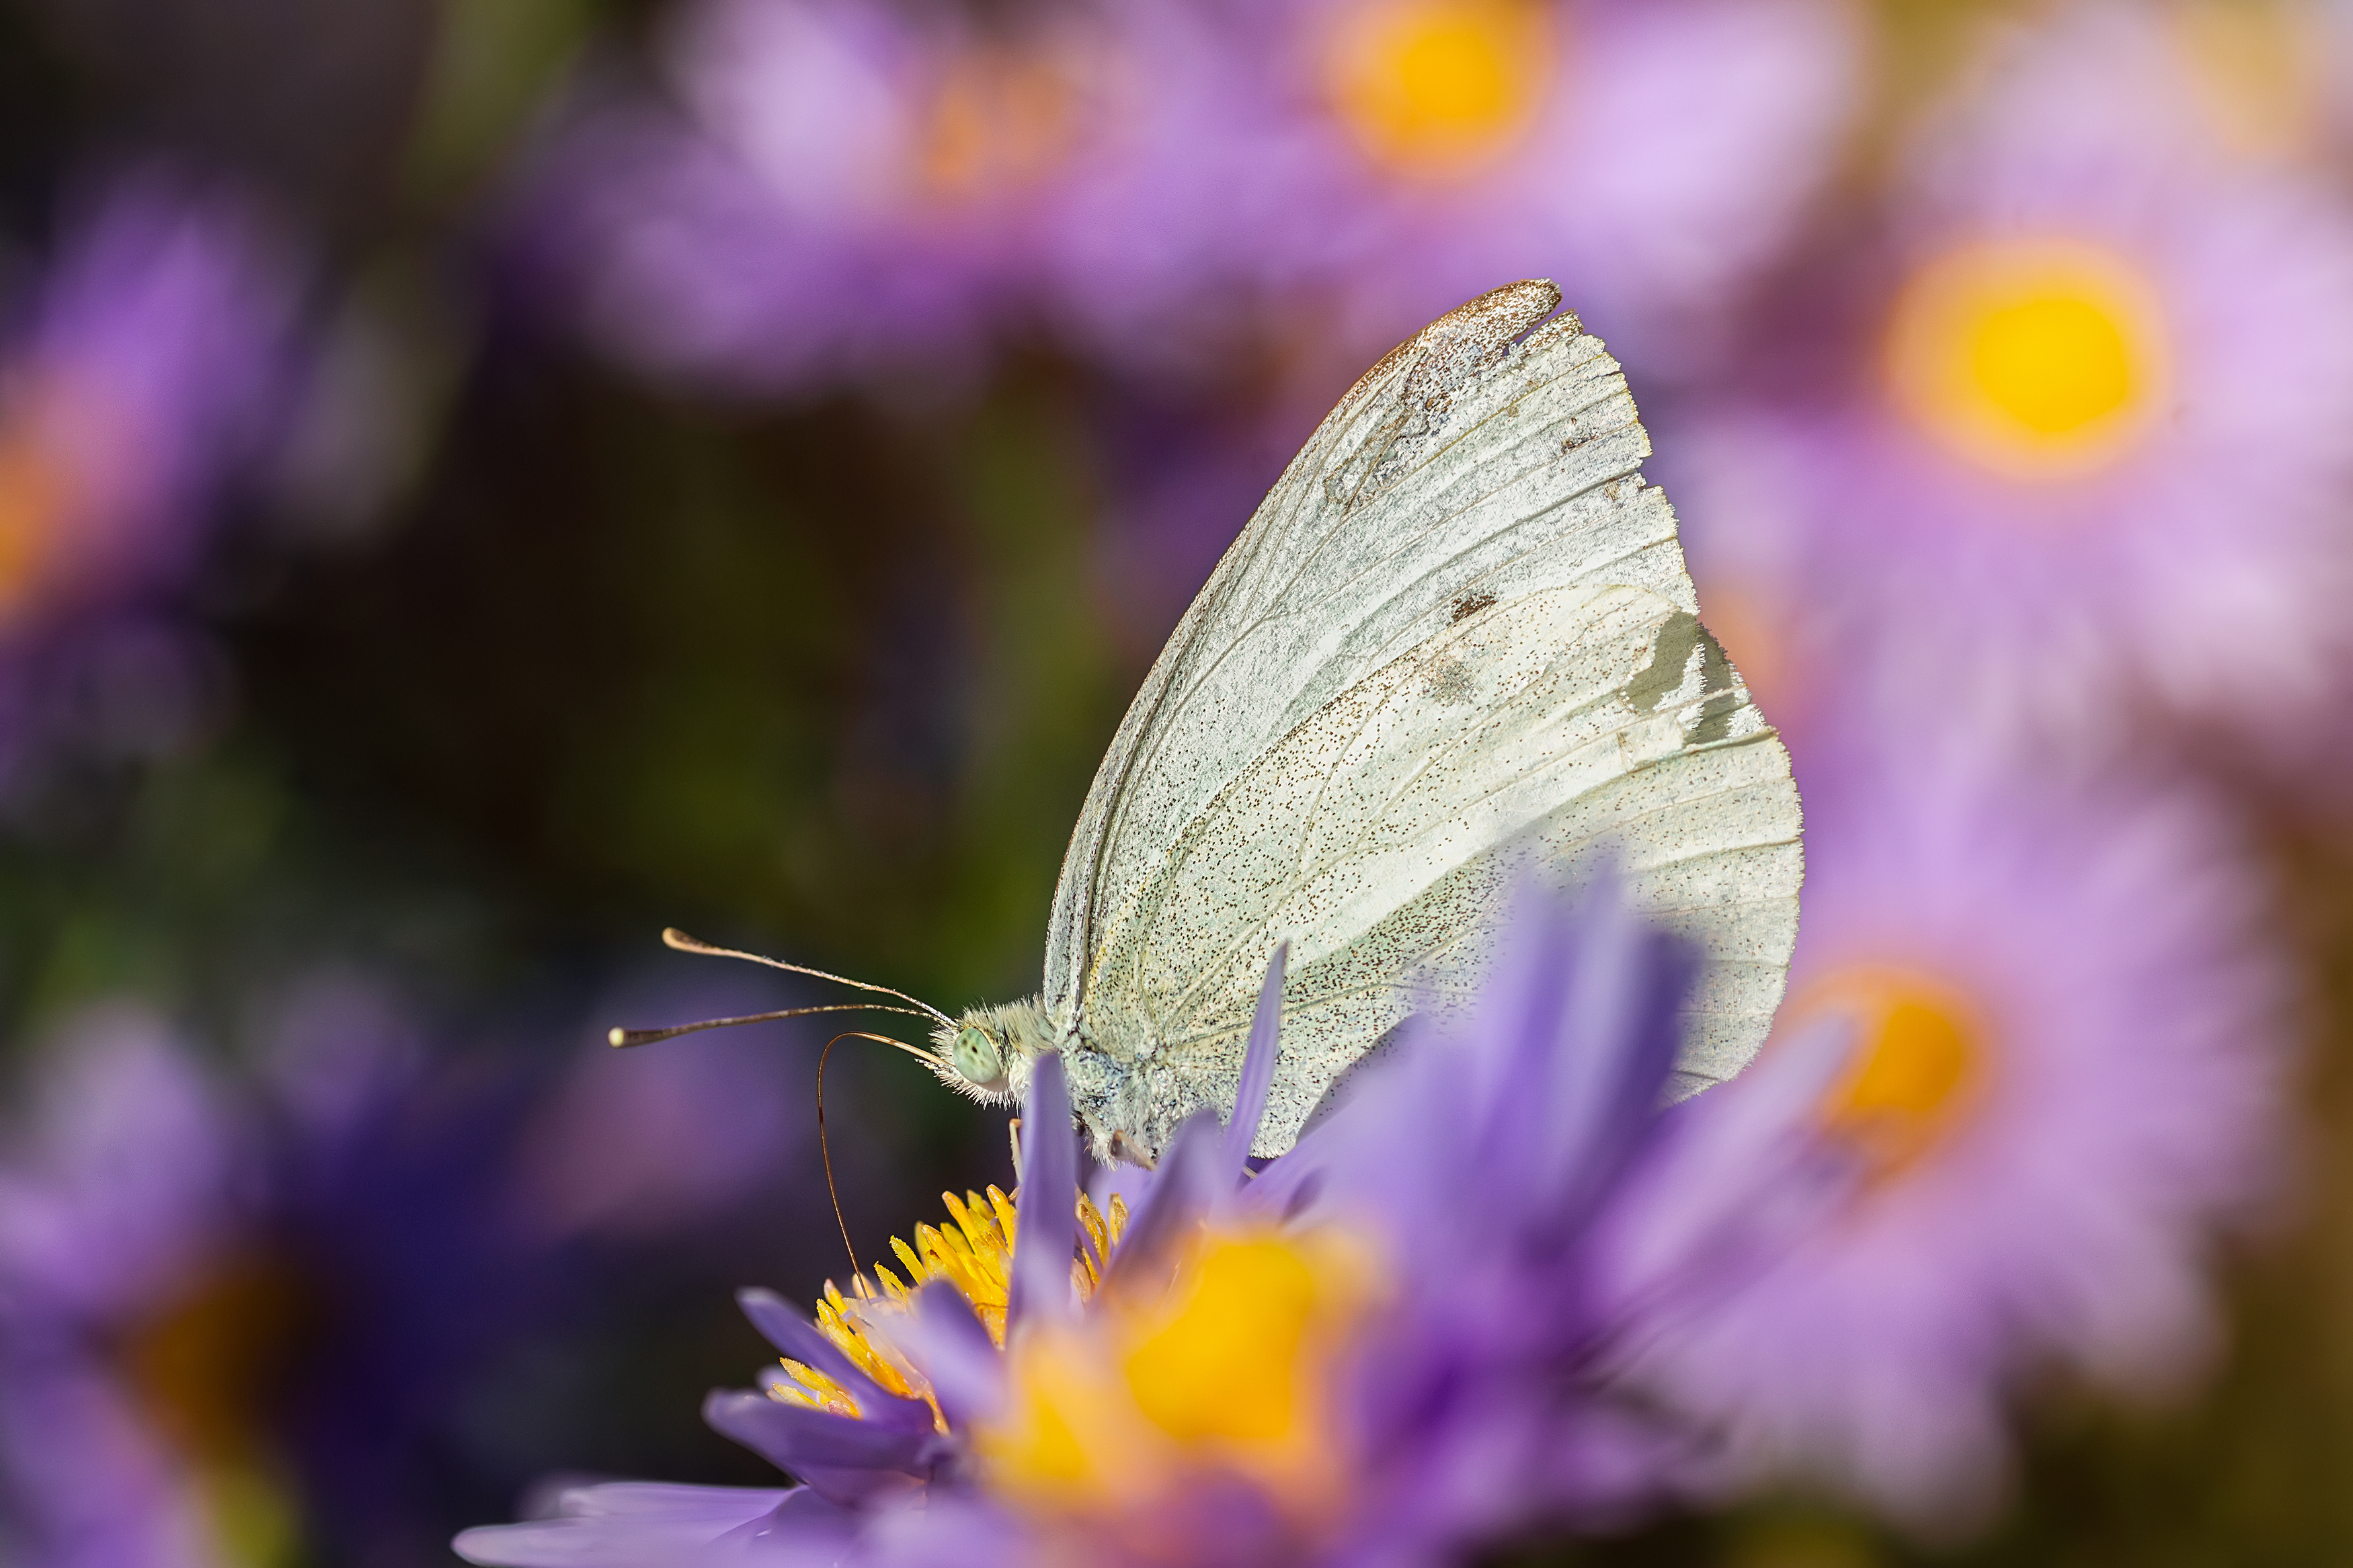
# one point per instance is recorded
(1129, 1114)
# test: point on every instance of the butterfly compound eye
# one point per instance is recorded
(977, 1058)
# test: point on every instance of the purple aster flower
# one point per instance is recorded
(1385, 1347)
(2068, 1068)
(140, 378)
(1361, 163)
(834, 189)
(2085, 455)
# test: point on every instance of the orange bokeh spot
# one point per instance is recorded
(1754, 631)
(36, 496)
(2036, 359)
(1919, 1059)
(1437, 88)
(998, 121)
(209, 1367)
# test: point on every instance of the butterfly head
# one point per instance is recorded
(978, 1056)
(986, 1054)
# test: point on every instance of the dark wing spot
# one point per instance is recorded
(1714, 665)
(1470, 605)
(1715, 717)
(1670, 657)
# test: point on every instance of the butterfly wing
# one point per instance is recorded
(1548, 734)
(1478, 491)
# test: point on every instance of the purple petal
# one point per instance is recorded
(1258, 1068)
(944, 1338)
(628, 1524)
(666, 1499)
(1518, 1019)
(131, 1172)
(952, 1527)
(810, 1443)
(1186, 1185)
(1050, 1196)
(1694, 1208)
(1609, 1049)
(789, 1329)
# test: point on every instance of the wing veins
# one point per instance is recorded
(1151, 736)
(1299, 879)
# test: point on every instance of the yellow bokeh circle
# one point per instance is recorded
(1439, 89)
(2037, 359)
(1921, 1057)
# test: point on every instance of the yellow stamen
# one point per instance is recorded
(974, 1253)
(1438, 89)
(813, 1388)
(2037, 359)
(1009, 1221)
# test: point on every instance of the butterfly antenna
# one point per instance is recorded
(621, 1038)
(674, 938)
(825, 1148)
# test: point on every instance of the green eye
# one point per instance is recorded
(976, 1057)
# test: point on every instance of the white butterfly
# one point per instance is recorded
(1455, 645)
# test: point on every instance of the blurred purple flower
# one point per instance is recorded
(837, 189)
(115, 1214)
(238, 1316)
(1358, 165)
(1381, 1350)
(634, 1144)
(2092, 458)
(140, 381)
(141, 376)
(834, 191)
(1180, 486)
(2068, 1066)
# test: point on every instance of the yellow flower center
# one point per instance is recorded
(1219, 1364)
(973, 1253)
(1919, 1057)
(1437, 88)
(1223, 1368)
(2036, 359)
